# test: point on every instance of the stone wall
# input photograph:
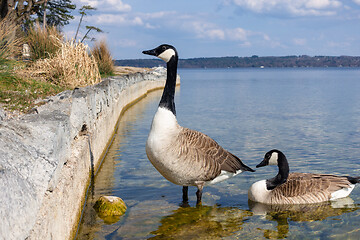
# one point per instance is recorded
(47, 158)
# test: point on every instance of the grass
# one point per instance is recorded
(55, 65)
(103, 57)
(18, 93)
(10, 41)
(43, 43)
(71, 66)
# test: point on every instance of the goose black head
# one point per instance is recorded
(165, 52)
(271, 158)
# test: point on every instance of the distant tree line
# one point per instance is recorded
(254, 61)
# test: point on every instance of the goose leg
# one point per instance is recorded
(199, 193)
(185, 193)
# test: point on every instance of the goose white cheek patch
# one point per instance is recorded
(166, 55)
(273, 159)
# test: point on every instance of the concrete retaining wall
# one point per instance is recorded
(46, 158)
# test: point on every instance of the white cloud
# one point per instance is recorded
(158, 15)
(80, 3)
(105, 5)
(150, 26)
(125, 43)
(340, 45)
(245, 44)
(117, 19)
(215, 34)
(299, 41)
(211, 31)
(294, 7)
(322, 4)
(238, 34)
(356, 1)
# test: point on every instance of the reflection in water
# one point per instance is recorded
(105, 179)
(202, 222)
(282, 214)
(309, 117)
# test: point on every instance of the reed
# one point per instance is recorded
(70, 66)
(43, 42)
(10, 41)
(103, 57)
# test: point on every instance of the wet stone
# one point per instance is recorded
(110, 208)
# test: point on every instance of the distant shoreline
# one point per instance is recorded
(303, 61)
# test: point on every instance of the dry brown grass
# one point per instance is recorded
(70, 66)
(124, 70)
(10, 42)
(43, 43)
(103, 58)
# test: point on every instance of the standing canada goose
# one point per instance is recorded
(298, 188)
(183, 156)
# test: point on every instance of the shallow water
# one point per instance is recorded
(312, 115)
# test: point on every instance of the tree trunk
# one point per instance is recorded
(85, 35)
(7, 7)
(77, 31)
(44, 17)
(3, 8)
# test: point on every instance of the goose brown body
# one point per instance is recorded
(187, 157)
(298, 188)
(191, 158)
(304, 188)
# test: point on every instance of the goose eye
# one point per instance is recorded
(163, 48)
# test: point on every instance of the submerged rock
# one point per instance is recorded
(110, 208)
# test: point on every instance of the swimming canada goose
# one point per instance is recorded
(183, 156)
(298, 188)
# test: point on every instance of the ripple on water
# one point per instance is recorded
(249, 112)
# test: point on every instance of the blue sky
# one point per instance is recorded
(200, 28)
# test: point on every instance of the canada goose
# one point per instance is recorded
(183, 156)
(298, 188)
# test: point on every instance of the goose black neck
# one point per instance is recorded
(167, 99)
(282, 175)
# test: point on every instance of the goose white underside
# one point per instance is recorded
(224, 175)
(344, 192)
(258, 192)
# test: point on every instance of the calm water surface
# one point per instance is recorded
(312, 115)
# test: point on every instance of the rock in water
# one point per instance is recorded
(110, 208)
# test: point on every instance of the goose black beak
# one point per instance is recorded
(149, 52)
(262, 164)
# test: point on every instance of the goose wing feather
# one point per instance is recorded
(208, 153)
(308, 188)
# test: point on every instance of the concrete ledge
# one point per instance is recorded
(46, 158)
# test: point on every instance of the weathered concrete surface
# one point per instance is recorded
(46, 158)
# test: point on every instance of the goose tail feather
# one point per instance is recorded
(243, 167)
(354, 180)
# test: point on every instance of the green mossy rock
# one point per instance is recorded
(109, 208)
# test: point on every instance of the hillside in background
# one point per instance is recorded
(254, 61)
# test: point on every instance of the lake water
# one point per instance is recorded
(312, 115)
